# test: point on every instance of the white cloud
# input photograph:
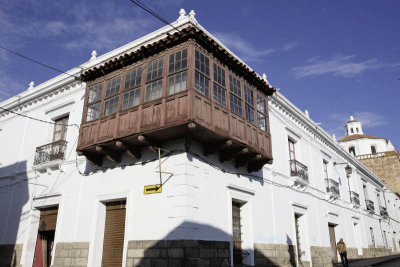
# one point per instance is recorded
(289, 46)
(246, 50)
(345, 66)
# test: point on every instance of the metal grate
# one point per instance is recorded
(50, 152)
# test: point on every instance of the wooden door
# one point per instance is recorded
(333, 243)
(236, 234)
(114, 231)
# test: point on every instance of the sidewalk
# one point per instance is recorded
(373, 261)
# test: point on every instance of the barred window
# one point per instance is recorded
(113, 86)
(236, 104)
(95, 93)
(261, 113)
(234, 86)
(111, 105)
(202, 63)
(154, 69)
(201, 84)
(153, 90)
(93, 112)
(178, 61)
(249, 100)
(177, 83)
(219, 95)
(219, 75)
(133, 78)
(131, 98)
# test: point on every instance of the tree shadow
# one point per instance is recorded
(14, 194)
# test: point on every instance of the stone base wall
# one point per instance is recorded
(376, 252)
(321, 256)
(276, 255)
(71, 254)
(10, 255)
(178, 253)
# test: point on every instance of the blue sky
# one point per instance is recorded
(333, 58)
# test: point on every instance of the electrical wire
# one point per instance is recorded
(37, 62)
(151, 12)
(36, 119)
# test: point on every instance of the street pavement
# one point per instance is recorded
(388, 261)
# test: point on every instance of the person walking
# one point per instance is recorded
(341, 248)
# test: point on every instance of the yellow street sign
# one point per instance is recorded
(151, 189)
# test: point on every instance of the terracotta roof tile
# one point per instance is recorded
(358, 136)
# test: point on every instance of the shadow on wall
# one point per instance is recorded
(14, 195)
(194, 244)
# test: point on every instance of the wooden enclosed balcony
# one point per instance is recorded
(185, 92)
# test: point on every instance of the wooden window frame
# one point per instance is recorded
(137, 86)
(290, 141)
(249, 104)
(202, 74)
(97, 102)
(63, 130)
(263, 113)
(233, 95)
(176, 72)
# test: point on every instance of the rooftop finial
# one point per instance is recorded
(94, 55)
(192, 14)
(306, 112)
(351, 118)
(31, 85)
(264, 76)
(334, 137)
(182, 14)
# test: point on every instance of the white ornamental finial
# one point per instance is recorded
(334, 137)
(31, 85)
(264, 76)
(192, 14)
(306, 112)
(94, 55)
(351, 118)
(182, 14)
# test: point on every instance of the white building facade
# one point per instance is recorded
(61, 210)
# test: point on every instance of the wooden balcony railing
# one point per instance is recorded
(332, 187)
(383, 211)
(299, 169)
(355, 198)
(50, 152)
(370, 205)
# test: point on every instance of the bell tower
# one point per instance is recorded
(353, 127)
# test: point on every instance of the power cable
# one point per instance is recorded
(32, 118)
(151, 12)
(37, 62)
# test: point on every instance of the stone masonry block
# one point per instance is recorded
(175, 252)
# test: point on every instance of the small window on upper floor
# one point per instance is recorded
(352, 131)
(60, 129)
(357, 129)
(373, 149)
(249, 99)
(352, 150)
(325, 163)
(201, 79)
(292, 154)
(94, 102)
(235, 95)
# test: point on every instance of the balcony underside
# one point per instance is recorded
(213, 142)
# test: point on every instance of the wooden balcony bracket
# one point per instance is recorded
(152, 144)
(243, 159)
(228, 154)
(214, 147)
(256, 163)
(110, 154)
(93, 158)
(132, 151)
(189, 135)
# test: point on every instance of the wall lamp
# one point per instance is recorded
(348, 169)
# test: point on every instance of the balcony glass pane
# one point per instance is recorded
(93, 112)
(113, 86)
(111, 105)
(202, 84)
(153, 90)
(177, 83)
(133, 78)
(219, 95)
(131, 98)
(95, 93)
